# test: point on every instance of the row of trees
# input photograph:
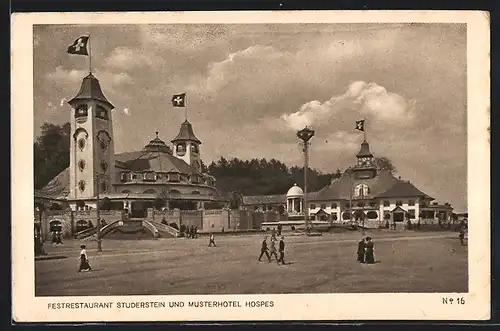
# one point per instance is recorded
(249, 177)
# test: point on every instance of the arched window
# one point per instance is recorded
(81, 185)
(361, 190)
(81, 165)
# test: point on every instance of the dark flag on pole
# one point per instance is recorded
(360, 125)
(179, 100)
(79, 47)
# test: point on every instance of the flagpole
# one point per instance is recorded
(90, 56)
(185, 107)
(364, 128)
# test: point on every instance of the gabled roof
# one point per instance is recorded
(340, 188)
(90, 89)
(186, 133)
(403, 189)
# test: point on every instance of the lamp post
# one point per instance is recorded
(99, 243)
(305, 135)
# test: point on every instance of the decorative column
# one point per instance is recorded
(305, 135)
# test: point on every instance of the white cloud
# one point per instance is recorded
(360, 98)
(73, 76)
(127, 58)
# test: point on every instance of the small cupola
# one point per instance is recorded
(157, 145)
(365, 150)
(90, 90)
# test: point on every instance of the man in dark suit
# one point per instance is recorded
(263, 249)
(282, 250)
(361, 250)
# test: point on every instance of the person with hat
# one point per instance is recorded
(369, 257)
(361, 250)
(84, 262)
(282, 250)
(264, 249)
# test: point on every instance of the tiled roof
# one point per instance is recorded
(154, 161)
(90, 89)
(341, 187)
(402, 189)
(264, 199)
(186, 133)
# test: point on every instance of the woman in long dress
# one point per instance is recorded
(361, 251)
(369, 257)
(84, 262)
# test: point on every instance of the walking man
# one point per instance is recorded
(212, 240)
(282, 250)
(461, 236)
(263, 249)
(361, 250)
(272, 251)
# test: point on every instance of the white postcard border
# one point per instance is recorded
(383, 306)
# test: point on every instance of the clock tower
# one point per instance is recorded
(92, 146)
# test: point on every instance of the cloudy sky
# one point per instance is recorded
(250, 87)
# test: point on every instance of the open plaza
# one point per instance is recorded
(406, 261)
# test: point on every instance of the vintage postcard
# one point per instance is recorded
(235, 166)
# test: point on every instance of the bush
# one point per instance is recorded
(174, 225)
(386, 224)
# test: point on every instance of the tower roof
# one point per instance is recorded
(365, 150)
(186, 133)
(157, 145)
(90, 89)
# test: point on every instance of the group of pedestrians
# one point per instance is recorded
(365, 251)
(191, 232)
(57, 237)
(270, 250)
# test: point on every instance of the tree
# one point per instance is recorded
(105, 203)
(51, 152)
(385, 163)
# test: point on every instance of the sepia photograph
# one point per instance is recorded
(244, 164)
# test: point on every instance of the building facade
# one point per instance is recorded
(364, 194)
(132, 181)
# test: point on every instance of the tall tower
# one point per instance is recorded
(92, 146)
(187, 146)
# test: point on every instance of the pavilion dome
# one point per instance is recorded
(294, 191)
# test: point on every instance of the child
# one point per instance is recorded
(84, 262)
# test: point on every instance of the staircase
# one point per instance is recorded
(165, 231)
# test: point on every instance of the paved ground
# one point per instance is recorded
(407, 262)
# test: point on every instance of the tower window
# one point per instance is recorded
(194, 148)
(81, 143)
(180, 149)
(81, 111)
(361, 190)
(81, 165)
(81, 185)
(101, 112)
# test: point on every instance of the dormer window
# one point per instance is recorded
(361, 190)
(124, 176)
(173, 177)
(149, 177)
(194, 179)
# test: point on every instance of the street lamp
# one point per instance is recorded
(305, 135)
